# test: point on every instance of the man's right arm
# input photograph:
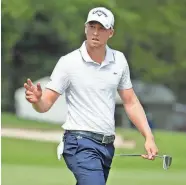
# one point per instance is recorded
(42, 100)
(46, 101)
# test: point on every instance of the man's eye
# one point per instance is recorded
(102, 28)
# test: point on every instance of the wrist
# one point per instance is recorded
(149, 137)
(38, 102)
(38, 106)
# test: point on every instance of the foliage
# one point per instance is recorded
(36, 33)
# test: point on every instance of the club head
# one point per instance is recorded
(167, 161)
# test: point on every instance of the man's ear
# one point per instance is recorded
(111, 33)
(86, 29)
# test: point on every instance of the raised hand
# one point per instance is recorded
(32, 93)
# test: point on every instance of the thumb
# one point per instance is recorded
(39, 87)
(145, 156)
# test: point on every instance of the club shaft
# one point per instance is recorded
(135, 155)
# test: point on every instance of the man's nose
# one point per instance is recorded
(96, 31)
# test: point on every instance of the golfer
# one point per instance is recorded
(90, 76)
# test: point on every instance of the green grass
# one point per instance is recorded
(32, 162)
(35, 175)
(32, 175)
(11, 121)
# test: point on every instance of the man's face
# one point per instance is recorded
(97, 35)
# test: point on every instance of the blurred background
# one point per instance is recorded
(35, 34)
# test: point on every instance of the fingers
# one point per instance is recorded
(145, 156)
(150, 156)
(154, 150)
(28, 93)
(29, 82)
(151, 150)
(39, 87)
(154, 153)
(27, 87)
(29, 98)
(32, 93)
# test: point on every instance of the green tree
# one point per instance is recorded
(36, 33)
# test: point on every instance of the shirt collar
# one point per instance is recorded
(108, 58)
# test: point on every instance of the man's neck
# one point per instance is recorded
(96, 54)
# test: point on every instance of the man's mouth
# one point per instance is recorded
(95, 39)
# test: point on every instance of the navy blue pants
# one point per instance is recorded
(89, 160)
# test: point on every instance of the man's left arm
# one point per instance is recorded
(137, 116)
(135, 110)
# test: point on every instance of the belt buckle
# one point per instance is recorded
(104, 139)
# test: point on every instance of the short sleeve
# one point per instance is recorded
(59, 79)
(125, 81)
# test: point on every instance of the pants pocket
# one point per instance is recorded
(70, 145)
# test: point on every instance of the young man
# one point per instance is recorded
(90, 77)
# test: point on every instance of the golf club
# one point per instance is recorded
(167, 160)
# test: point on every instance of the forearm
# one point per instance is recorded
(137, 115)
(42, 106)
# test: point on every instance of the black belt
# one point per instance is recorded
(104, 139)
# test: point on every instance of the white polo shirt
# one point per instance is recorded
(90, 88)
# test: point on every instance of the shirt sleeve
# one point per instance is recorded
(59, 79)
(125, 81)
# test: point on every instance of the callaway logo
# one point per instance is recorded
(99, 13)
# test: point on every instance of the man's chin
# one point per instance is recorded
(95, 44)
